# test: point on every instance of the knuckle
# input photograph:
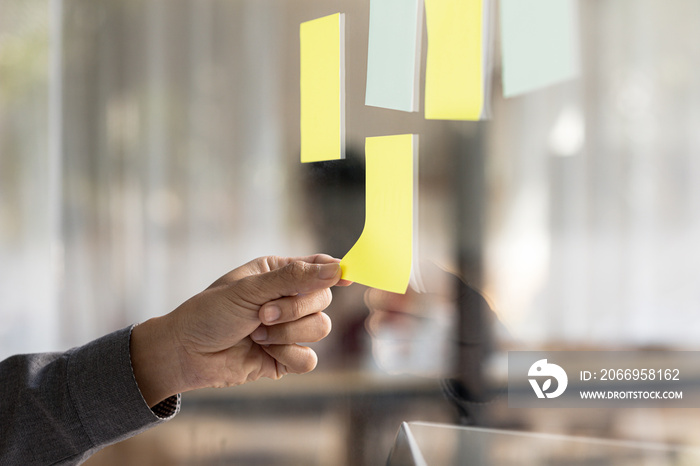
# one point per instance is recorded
(273, 263)
(261, 263)
(326, 297)
(297, 270)
(319, 301)
(303, 305)
(296, 309)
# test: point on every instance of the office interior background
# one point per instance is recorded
(148, 147)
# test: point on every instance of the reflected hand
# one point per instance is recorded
(412, 333)
(244, 326)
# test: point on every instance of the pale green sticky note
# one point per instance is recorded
(393, 54)
(382, 256)
(322, 79)
(539, 43)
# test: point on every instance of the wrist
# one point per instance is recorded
(154, 360)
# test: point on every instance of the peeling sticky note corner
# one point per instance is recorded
(382, 256)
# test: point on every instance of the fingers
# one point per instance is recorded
(378, 323)
(269, 263)
(274, 262)
(292, 308)
(385, 301)
(417, 304)
(297, 277)
(293, 359)
(308, 329)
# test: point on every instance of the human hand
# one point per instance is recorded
(246, 325)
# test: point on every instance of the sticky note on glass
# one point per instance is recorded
(539, 44)
(456, 71)
(383, 254)
(322, 64)
(393, 55)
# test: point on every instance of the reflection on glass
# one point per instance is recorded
(180, 158)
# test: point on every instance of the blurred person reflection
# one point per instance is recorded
(444, 332)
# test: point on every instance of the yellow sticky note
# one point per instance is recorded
(454, 82)
(322, 88)
(382, 256)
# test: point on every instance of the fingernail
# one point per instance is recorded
(271, 314)
(328, 271)
(260, 334)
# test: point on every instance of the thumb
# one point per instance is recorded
(297, 277)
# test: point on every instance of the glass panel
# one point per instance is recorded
(29, 239)
(146, 148)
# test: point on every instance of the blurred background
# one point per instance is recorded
(148, 147)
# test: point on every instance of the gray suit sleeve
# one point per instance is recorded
(60, 408)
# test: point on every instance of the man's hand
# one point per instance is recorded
(244, 326)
